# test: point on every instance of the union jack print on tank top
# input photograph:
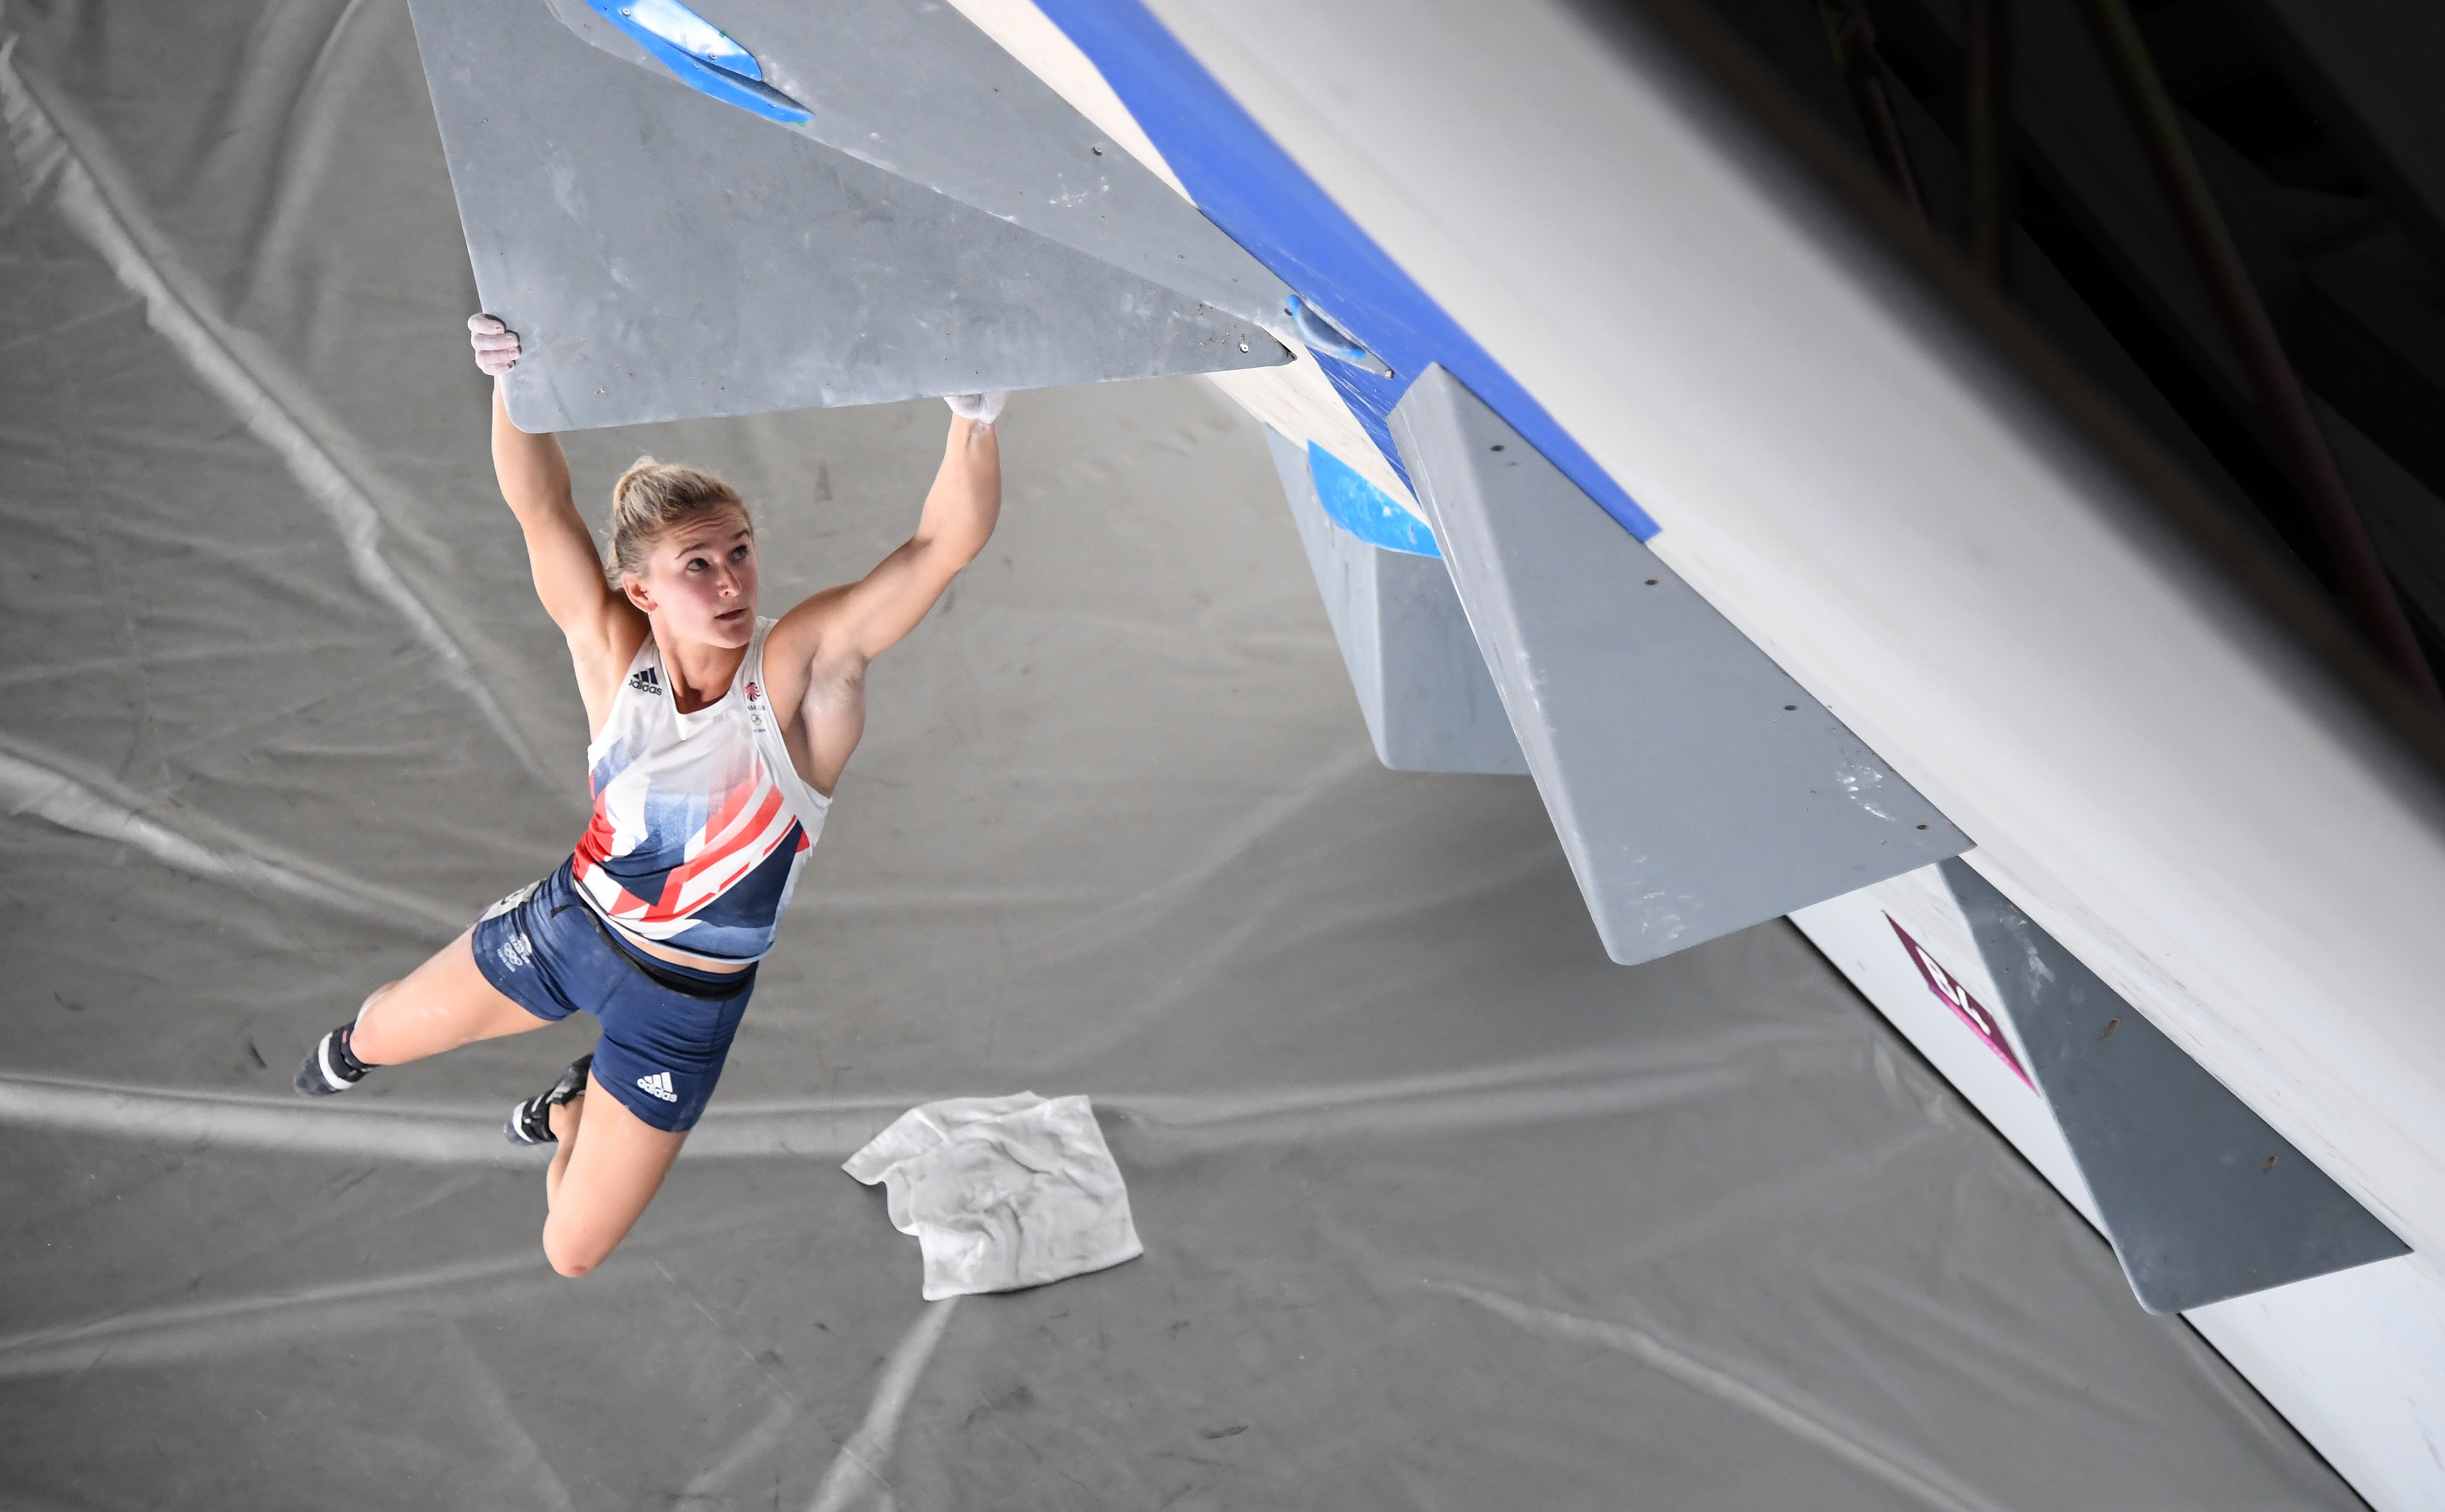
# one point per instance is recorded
(694, 843)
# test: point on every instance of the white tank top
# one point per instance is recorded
(700, 821)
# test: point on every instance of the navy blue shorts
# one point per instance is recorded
(666, 1029)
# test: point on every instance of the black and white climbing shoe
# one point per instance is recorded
(531, 1120)
(330, 1066)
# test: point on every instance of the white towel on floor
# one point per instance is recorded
(1001, 1192)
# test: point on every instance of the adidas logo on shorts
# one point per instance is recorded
(659, 1085)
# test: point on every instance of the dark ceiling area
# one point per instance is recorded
(2314, 130)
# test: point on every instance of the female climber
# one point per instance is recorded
(717, 737)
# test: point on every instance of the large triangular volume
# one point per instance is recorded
(1695, 787)
(666, 253)
(1429, 704)
(914, 89)
(2202, 1198)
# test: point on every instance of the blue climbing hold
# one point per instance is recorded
(702, 55)
(1364, 509)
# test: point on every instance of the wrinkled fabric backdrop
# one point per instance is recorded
(1441, 1210)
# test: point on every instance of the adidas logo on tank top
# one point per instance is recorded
(658, 1083)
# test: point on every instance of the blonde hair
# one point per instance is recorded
(652, 499)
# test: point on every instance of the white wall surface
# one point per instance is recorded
(2152, 768)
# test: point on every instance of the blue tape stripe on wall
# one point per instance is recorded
(1248, 185)
(1370, 398)
(1364, 509)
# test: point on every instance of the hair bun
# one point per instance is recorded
(636, 471)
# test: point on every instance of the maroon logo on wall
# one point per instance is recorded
(1966, 1008)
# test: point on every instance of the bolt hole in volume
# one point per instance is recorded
(702, 55)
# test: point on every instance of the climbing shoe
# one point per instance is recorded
(330, 1066)
(531, 1120)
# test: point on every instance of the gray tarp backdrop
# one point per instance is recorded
(1441, 1210)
